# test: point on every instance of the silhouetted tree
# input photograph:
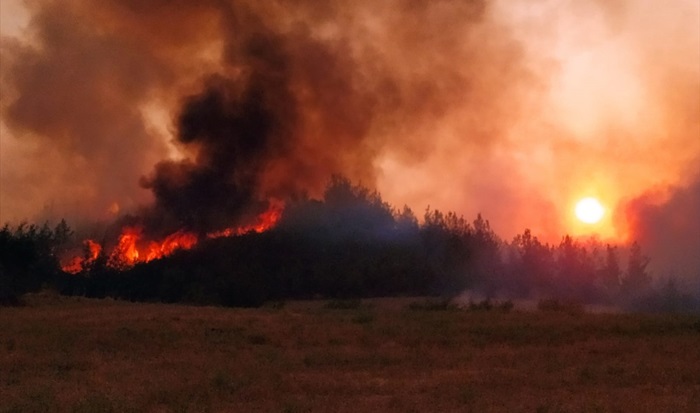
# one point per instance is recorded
(487, 264)
(28, 258)
(636, 279)
(534, 264)
(447, 245)
(611, 273)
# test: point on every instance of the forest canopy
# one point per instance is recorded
(349, 244)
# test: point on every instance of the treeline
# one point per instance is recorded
(353, 244)
(29, 258)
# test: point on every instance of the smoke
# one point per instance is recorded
(72, 101)
(667, 223)
(286, 96)
(283, 116)
(197, 114)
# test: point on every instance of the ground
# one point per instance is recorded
(387, 355)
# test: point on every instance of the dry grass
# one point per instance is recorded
(81, 355)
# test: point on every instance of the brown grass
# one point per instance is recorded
(80, 355)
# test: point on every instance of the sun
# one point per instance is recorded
(589, 210)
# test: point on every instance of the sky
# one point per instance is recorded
(514, 109)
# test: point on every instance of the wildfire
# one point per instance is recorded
(132, 249)
(266, 220)
(173, 242)
(76, 264)
(126, 251)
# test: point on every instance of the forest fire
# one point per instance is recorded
(265, 221)
(129, 249)
(76, 264)
(132, 248)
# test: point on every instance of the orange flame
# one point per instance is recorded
(171, 243)
(77, 264)
(265, 221)
(131, 249)
(126, 253)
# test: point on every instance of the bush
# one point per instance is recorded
(433, 305)
(506, 306)
(484, 305)
(351, 304)
(554, 305)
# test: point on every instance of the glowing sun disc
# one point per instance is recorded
(589, 210)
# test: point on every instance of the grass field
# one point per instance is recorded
(80, 355)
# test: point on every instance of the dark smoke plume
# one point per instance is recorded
(244, 127)
(233, 133)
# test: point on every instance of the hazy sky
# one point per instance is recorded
(512, 108)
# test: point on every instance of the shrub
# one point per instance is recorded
(350, 304)
(433, 305)
(554, 305)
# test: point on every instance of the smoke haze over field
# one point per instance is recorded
(197, 114)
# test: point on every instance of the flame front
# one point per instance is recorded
(178, 240)
(126, 253)
(132, 249)
(76, 264)
(265, 221)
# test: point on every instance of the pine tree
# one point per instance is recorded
(637, 278)
(611, 272)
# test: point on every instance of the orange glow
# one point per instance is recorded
(132, 249)
(94, 249)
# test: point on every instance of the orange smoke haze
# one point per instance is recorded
(513, 109)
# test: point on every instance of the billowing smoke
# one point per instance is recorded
(668, 224)
(286, 115)
(266, 101)
(72, 99)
